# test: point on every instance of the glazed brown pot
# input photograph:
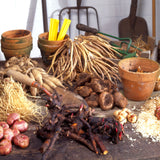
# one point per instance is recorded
(47, 47)
(136, 85)
(16, 43)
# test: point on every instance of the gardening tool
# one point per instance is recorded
(133, 26)
(78, 8)
(127, 41)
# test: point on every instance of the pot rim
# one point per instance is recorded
(6, 35)
(139, 73)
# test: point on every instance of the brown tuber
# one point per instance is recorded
(92, 100)
(106, 101)
(84, 91)
(120, 100)
(82, 78)
(99, 85)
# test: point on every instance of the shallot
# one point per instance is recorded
(12, 118)
(21, 125)
(5, 147)
(1, 132)
(4, 125)
(8, 134)
(21, 140)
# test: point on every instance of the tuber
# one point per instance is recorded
(84, 91)
(106, 101)
(82, 78)
(12, 118)
(120, 100)
(21, 125)
(92, 100)
(21, 140)
(99, 85)
(5, 147)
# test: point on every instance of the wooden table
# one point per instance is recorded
(133, 148)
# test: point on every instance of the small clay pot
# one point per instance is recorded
(47, 47)
(16, 43)
(22, 52)
(136, 85)
(16, 36)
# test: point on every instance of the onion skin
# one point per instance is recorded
(4, 125)
(21, 140)
(5, 147)
(1, 132)
(21, 125)
(12, 118)
(8, 134)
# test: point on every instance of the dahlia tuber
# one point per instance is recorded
(92, 100)
(106, 101)
(99, 85)
(84, 91)
(120, 100)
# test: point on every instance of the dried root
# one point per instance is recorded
(89, 54)
(31, 69)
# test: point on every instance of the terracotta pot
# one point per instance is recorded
(16, 36)
(16, 43)
(138, 86)
(47, 47)
(8, 53)
(8, 45)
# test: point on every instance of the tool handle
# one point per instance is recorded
(83, 27)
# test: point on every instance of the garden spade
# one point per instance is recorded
(133, 26)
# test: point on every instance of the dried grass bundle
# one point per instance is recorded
(13, 99)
